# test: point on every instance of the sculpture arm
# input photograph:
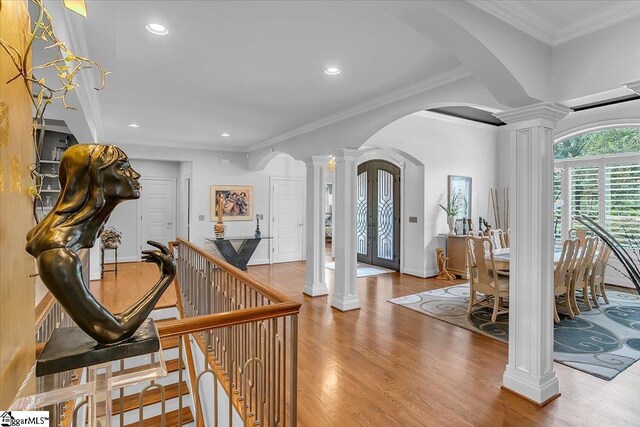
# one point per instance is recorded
(61, 271)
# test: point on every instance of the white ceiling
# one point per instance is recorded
(557, 21)
(252, 69)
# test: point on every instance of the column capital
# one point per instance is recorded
(347, 154)
(545, 114)
(315, 160)
(633, 86)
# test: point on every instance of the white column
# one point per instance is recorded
(315, 284)
(345, 294)
(530, 371)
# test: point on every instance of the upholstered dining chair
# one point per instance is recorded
(497, 237)
(582, 271)
(562, 275)
(483, 277)
(596, 278)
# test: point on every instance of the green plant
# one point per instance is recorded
(452, 207)
(455, 205)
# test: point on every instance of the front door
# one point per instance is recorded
(378, 210)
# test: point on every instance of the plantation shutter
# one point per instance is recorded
(584, 194)
(557, 212)
(622, 207)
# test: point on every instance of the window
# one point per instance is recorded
(584, 193)
(557, 201)
(598, 175)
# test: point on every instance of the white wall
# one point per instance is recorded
(206, 169)
(598, 62)
(125, 216)
(445, 146)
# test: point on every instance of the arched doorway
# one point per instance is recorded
(378, 214)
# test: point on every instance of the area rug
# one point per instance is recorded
(364, 270)
(602, 342)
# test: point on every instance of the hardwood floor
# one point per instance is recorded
(385, 365)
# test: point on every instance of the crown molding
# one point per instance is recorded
(597, 20)
(87, 95)
(182, 145)
(518, 17)
(514, 14)
(450, 76)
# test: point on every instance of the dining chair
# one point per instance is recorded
(497, 237)
(507, 238)
(582, 272)
(562, 276)
(484, 278)
(596, 279)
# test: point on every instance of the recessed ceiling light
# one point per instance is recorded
(225, 134)
(332, 71)
(134, 125)
(157, 29)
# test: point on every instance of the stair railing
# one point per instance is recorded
(248, 333)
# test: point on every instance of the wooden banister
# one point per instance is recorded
(207, 322)
(272, 294)
(43, 308)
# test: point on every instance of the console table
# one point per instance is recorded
(456, 252)
(239, 257)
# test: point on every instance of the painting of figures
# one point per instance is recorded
(236, 200)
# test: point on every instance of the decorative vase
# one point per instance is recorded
(258, 234)
(451, 222)
(219, 230)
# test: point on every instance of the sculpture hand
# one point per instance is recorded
(163, 258)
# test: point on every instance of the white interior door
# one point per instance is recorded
(157, 211)
(287, 219)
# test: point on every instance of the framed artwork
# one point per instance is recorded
(460, 195)
(237, 202)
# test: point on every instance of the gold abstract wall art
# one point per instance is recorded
(17, 314)
(4, 124)
(42, 93)
(15, 175)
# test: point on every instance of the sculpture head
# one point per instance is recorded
(92, 177)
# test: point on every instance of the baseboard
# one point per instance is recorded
(111, 260)
(419, 273)
(258, 261)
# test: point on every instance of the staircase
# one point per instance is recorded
(126, 410)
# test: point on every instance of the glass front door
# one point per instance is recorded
(378, 214)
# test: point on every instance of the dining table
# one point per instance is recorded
(502, 258)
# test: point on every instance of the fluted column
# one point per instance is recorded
(530, 371)
(345, 294)
(315, 284)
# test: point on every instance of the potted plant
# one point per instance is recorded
(452, 210)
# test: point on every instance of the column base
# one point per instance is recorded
(346, 303)
(538, 390)
(315, 289)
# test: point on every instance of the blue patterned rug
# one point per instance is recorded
(602, 342)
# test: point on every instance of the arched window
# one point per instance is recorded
(598, 174)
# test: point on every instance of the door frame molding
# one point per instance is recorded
(173, 208)
(273, 178)
(401, 165)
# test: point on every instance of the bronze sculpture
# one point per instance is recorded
(94, 179)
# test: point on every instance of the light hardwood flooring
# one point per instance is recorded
(385, 365)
